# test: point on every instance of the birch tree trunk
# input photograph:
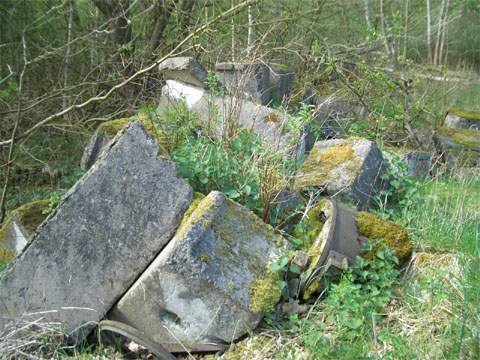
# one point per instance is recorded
(367, 14)
(68, 56)
(429, 30)
(408, 6)
(250, 32)
(444, 33)
(439, 32)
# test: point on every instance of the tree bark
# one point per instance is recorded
(68, 56)
(408, 6)
(439, 32)
(367, 14)
(429, 30)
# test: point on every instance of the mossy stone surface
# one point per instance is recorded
(467, 138)
(344, 166)
(465, 114)
(389, 233)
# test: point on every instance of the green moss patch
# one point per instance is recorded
(320, 165)
(465, 114)
(468, 138)
(264, 294)
(389, 233)
(311, 226)
(29, 215)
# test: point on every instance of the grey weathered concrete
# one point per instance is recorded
(104, 233)
(352, 167)
(93, 149)
(419, 163)
(458, 147)
(334, 114)
(198, 290)
(228, 111)
(184, 69)
(457, 121)
(257, 82)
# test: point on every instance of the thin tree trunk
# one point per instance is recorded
(444, 34)
(429, 30)
(384, 32)
(367, 14)
(250, 32)
(233, 37)
(68, 56)
(408, 6)
(439, 32)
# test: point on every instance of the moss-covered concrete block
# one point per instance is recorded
(107, 131)
(458, 147)
(20, 225)
(353, 167)
(462, 119)
(211, 282)
(104, 233)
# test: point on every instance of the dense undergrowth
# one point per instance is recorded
(428, 308)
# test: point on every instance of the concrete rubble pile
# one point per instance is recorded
(132, 248)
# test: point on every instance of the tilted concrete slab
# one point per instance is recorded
(104, 233)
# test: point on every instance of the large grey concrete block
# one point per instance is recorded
(461, 119)
(258, 82)
(226, 112)
(201, 288)
(457, 148)
(104, 233)
(353, 167)
(184, 69)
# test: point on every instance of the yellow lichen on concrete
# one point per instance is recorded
(387, 232)
(197, 197)
(320, 165)
(264, 294)
(272, 117)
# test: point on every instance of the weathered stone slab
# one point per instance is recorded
(104, 233)
(184, 69)
(334, 114)
(353, 167)
(211, 282)
(107, 131)
(226, 112)
(462, 119)
(419, 163)
(458, 147)
(256, 82)
(20, 225)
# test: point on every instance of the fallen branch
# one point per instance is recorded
(230, 12)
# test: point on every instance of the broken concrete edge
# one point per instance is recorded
(340, 238)
(185, 69)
